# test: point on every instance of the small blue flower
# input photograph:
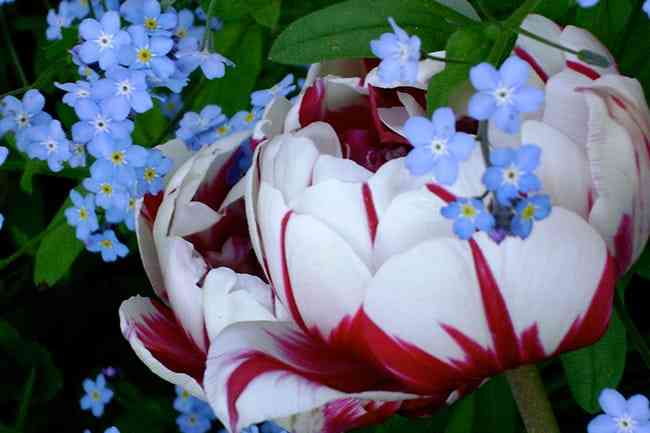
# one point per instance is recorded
(244, 120)
(121, 157)
(185, 26)
(193, 125)
(193, 422)
(150, 53)
(588, 3)
(4, 152)
(469, 215)
(148, 14)
(399, 54)
(98, 126)
(124, 214)
(123, 90)
(104, 41)
(82, 215)
(109, 192)
(57, 21)
(75, 92)
(189, 58)
(261, 98)
(646, 7)
(271, 427)
(97, 396)
(527, 211)
(108, 245)
(49, 143)
(183, 401)
(85, 71)
(504, 94)
(621, 416)
(176, 82)
(172, 105)
(437, 146)
(22, 115)
(200, 14)
(151, 176)
(512, 172)
(77, 150)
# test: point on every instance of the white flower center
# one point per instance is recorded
(438, 146)
(404, 52)
(51, 145)
(125, 88)
(22, 119)
(101, 124)
(503, 95)
(511, 175)
(82, 93)
(625, 424)
(118, 158)
(105, 40)
(78, 149)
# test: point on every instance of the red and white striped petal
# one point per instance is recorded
(546, 61)
(578, 39)
(263, 370)
(521, 301)
(563, 169)
(162, 344)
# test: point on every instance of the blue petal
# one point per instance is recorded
(389, 71)
(33, 101)
(505, 193)
(638, 408)
(514, 72)
(527, 157)
(163, 67)
(502, 156)
(507, 119)
(493, 178)
(419, 131)
(451, 211)
(446, 170)
(482, 106)
(444, 122)
(529, 183)
(213, 67)
(484, 77)
(485, 221)
(528, 99)
(462, 145)
(464, 228)
(612, 402)
(160, 46)
(111, 22)
(90, 29)
(522, 227)
(602, 424)
(420, 161)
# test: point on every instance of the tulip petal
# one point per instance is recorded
(545, 60)
(577, 39)
(566, 109)
(330, 168)
(162, 344)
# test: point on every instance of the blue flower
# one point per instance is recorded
(150, 53)
(6, 2)
(22, 115)
(121, 157)
(621, 416)
(49, 143)
(126, 214)
(243, 120)
(4, 152)
(646, 7)
(244, 162)
(183, 401)
(200, 14)
(261, 98)
(123, 90)
(57, 21)
(97, 395)
(193, 422)
(527, 211)
(588, 3)
(75, 92)
(185, 26)
(399, 54)
(437, 146)
(109, 192)
(189, 58)
(108, 245)
(84, 70)
(193, 125)
(176, 82)
(511, 172)
(97, 125)
(469, 214)
(271, 427)
(82, 215)
(148, 14)
(172, 105)
(104, 41)
(77, 150)
(504, 94)
(151, 176)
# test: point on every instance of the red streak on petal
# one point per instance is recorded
(168, 342)
(583, 69)
(312, 106)
(506, 342)
(215, 187)
(624, 243)
(441, 192)
(347, 414)
(288, 288)
(531, 346)
(479, 362)
(528, 58)
(150, 206)
(371, 212)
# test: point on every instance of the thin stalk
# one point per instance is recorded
(207, 38)
(533, 403)
(545, 41)
(638, 341)
(445, 60)
(12, 49)
(27, 398)
(484, 140)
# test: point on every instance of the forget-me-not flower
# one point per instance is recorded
(21, 115)
(185, 26)
(261, 98)
(504, 94)
(243, 120)
(4, 152)
(121, 157)
(97, 125)
(437, 147)
(469, 214)
(108, 245)
(527, 211)
(49, 143)
(399, 54)
(621, 416)
(646, 7)
(97, 395)
(82, 215)
(588, 3)
(75, 92)
(123, 90)
(152, 174)
(148, 14)
(512, 172)
(150, 52)
(172, 105)
(104, 41)
(194, 125)
(57, 21)
(213, 65)
(109, 192)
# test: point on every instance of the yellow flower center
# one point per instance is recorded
(106, 188)
(151, 23)
(222, 130)
(95, 395)
(181, 33)
(250, 117)
(117, 158)
(149, 174)
(144, 55)
(106, 243)
(131, 203)
(468, 211)
(83, 214)
(529, 212)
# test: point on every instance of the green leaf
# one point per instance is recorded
(642, 266)
(225, 9)
(633, 59)
(242, 43)
(265, 12)
(468, 44)
(591, 369)
(608, 21)
(27, 178)
(345, 30)
(462, 416)
(496, 409)
(57, 251)
(148, 126)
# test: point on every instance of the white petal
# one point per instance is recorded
(578, 39)
(328, 167)
(565, 108)
(273, 119)
(324, 138)
(550, 60)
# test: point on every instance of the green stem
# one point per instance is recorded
(638, 341)
(545, 41)
(28, 245)
(446, 60)
(485, 10)
(532, 401)
(27, 397)
(207, 38)
(12, 50)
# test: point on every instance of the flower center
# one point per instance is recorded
(149, 174)
(101, 123)
(106, 243)
(83, 214)
(181, 32)
(23, 120)
(78, 149)
(151, 23)
(118, 158)
(468, 211)
(503, 95)
(95, 395)
(50, 145)
(125, 88)
(511, 175)
(528, 212)
(625, 424)
(83, 93)
(438, 146)
(131, 204)
(88, 72)
(249, 117)
(106, 189)
(105, 41)
(404, 52)
(223, 130)
(144, 55)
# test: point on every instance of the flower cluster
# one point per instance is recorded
(196, 416)
(621, 415)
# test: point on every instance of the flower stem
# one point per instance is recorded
(538, 38)
(532, 401)
(12, 50)
(207, 38)
(446, 60)
(633, 333)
